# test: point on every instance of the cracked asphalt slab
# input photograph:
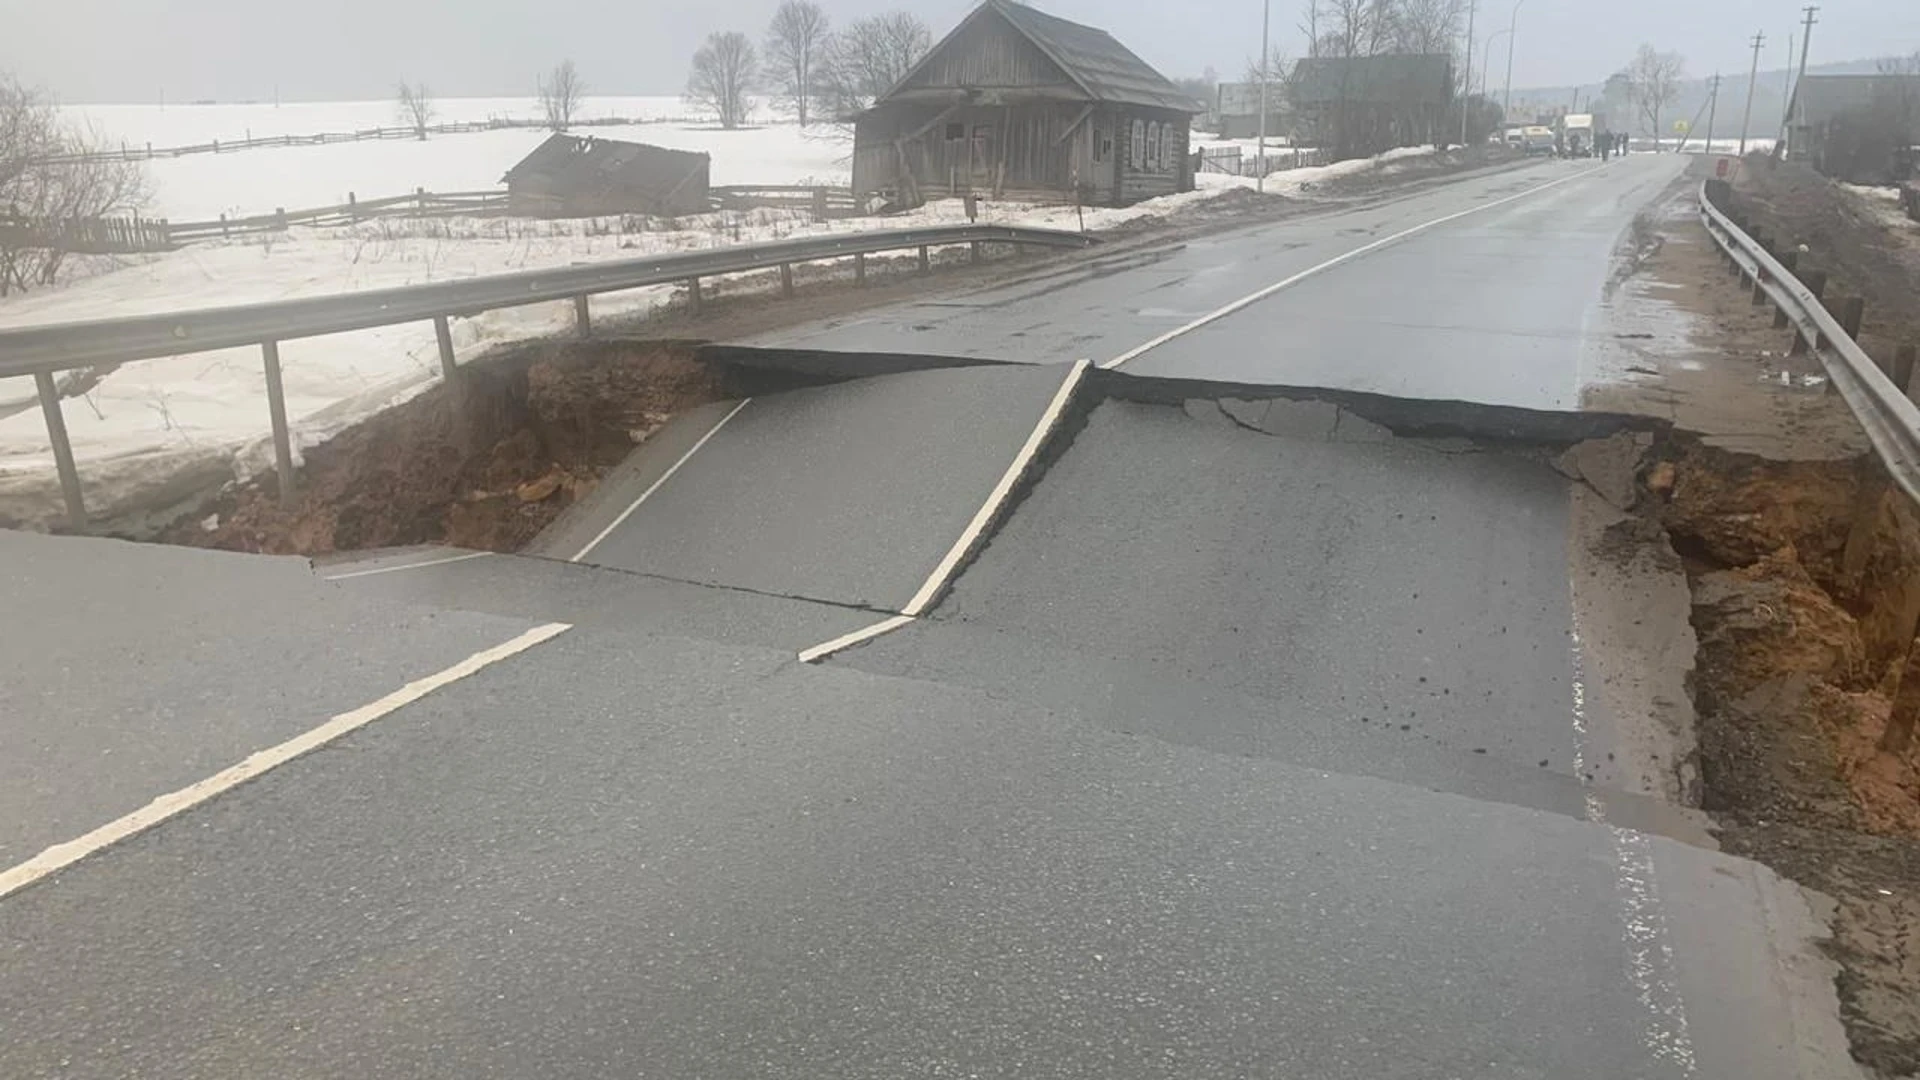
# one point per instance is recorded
(894, 878)
(848, 493)
(1109, 811)
(1213, 585)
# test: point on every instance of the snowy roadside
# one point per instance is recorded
(148, 423)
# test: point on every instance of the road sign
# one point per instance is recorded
(1722, 167)
(1681, 127)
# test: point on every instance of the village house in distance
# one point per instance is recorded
(581, 175)
(1018, 102)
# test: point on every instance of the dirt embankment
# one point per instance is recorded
(1863, 254)
(1797, 666)
(484, 461)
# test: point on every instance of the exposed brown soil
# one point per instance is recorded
(1862, 254)
(485, 461)
(1796, 667)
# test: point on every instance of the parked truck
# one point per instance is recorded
(1580, 134)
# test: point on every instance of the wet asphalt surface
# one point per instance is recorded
(1233, 753)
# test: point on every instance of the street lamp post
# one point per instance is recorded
(1506, 106)
(1266, 21)
(1466, 79)
(1486, 63)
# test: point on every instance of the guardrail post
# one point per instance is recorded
(277, 409)
(860, 268)
(582, 318)
(1816, 283)
(1790, 261)
(1903, 368)
(62, 450)
(443, 333)
(1867, 503)
(926, 260)
(1853, 311)
(693, 294)
(786, 280)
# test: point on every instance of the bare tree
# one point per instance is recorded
(1654, 78)
(562, 92)
(869, 58)
(415, 104)
(725, 71)
(50, 175)
(1899, 65)
(1424, 27)
(795, 42)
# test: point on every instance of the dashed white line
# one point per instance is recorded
(1289, 282)
(996, 500)
(656, 485)
(60, 856)
(408, 566)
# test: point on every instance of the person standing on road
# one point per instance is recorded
(1604, 144)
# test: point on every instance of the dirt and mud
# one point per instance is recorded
(485, 461)
(1800, 650)
(1864, 253)
(1797, 667)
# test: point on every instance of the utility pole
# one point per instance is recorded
(1266, 21)
(1806, 45)
(1713, 107)
(1786, 92)
(1466, 82)
(1753, 77)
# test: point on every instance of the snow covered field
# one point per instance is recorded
(147, 419)
(200, 187)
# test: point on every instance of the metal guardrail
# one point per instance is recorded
(40, 351)
(1891, 420)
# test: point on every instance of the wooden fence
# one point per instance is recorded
(101, 236)
(1234, 161)
(84, 236)
(148, 151)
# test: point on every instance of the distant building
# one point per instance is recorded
(1362, 105)
(579, 176)
(1854, 127)
(1237, 108)
(1018, 102)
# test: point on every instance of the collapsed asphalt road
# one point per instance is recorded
(1253, 738)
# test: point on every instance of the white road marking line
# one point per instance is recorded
(847, 641)
(60, 856)
(408, 566)
(996, 499)
(1650, 960)
(655, 486)
(1289, 282)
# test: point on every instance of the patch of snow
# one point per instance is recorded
(1867, 191)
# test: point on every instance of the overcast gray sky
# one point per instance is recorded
(130, 50)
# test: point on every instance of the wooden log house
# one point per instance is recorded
(1018, 103)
